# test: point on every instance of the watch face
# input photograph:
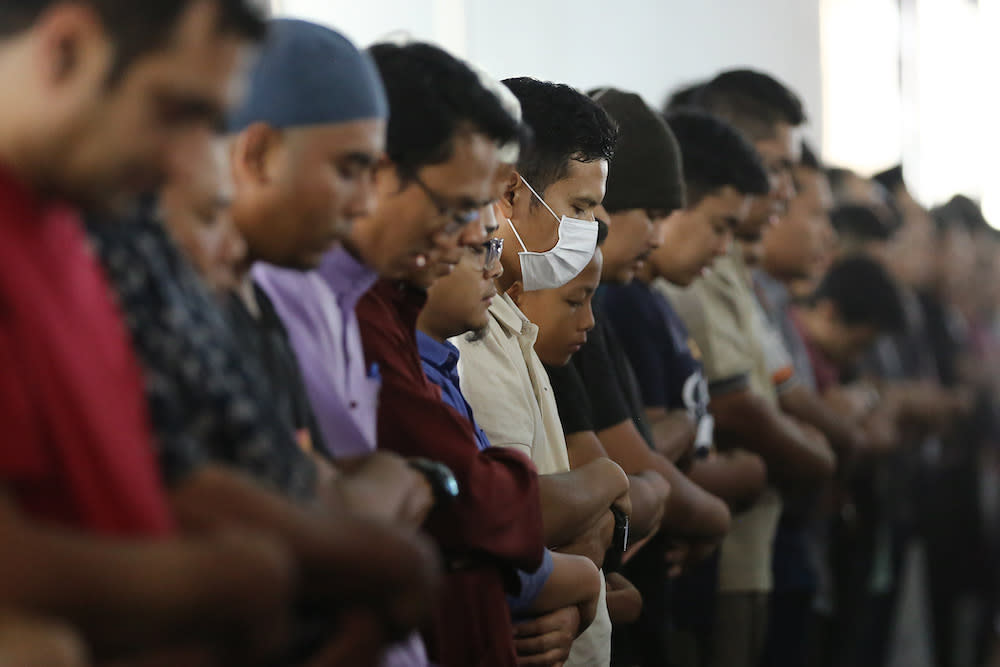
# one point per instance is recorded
(450, 485)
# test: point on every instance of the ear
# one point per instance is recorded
(506, 202)
(255, 153)
(70, 38)
(516, 292)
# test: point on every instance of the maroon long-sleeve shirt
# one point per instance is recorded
(493, 527)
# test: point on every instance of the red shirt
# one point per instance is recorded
(495, 523)
(76, 446)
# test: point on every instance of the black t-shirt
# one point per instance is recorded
(266, 339)
(597, 389)
(207, 399)
(658, 346)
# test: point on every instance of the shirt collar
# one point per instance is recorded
(509, 315)
(348, 277)
(443, 356)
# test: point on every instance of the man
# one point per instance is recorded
(81, 486)
(457, 305)
(563, 173)
(722, 314)
(210, 408)
(855, 303)
(598, 399)
(443, 148)
(720, 171)
(796, 253)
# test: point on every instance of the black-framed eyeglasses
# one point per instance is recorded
(494, 248)
(457, 218)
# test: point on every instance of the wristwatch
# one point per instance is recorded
(439, 476)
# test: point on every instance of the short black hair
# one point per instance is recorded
(891, 179)
(682, 97)
(715, 155)
(139, 27)
(864, 294)
(567, 125)
(602, 232)
(960, 211)
(753, 102)
(810, 159)
(433, 96)
(857, 223)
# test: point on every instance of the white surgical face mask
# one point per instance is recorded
(554, 268)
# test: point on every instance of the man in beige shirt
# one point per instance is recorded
(719, 310)
(563, 174)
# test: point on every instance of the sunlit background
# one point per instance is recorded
(884, 80)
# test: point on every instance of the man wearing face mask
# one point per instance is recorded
(597, 394)
(546, 220)
(721, 312)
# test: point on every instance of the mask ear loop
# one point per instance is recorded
(516, 235)
(558, 219)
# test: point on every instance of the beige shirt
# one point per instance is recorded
(720, 311)
(506, 384)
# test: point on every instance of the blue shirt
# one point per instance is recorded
(440, 362)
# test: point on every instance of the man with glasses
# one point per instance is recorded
(438, 171)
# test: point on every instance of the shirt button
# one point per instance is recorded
(353, 404)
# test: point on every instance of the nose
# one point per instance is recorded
(473, 234)
(587, 321)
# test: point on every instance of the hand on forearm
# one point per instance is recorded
(546, 641)
(594, 542)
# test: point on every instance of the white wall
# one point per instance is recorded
(649, 46)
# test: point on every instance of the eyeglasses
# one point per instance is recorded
(457, 218)
(494, 248)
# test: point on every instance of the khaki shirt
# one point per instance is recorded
(720, 311)
(506, 384)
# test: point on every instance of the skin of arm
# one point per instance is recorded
(546, 641)
(648, 491)
(34, 642)
(575, 581)
(345, 560)
(232, 590)
(793, 456)
(673, 432)
(736, 476)
(573, 501)
(844, 435)
(690, 512)
(624, 600)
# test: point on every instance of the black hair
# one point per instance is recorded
(891, 179)
(857, 223)
(715, 155)
(434, 96)
(959, 211)
(602, 232)
(864, 294)
(838, 177)
(753, 102)
(682, 97)
(567, 125)
(809, 160)
(139, 27)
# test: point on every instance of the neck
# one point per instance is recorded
(646, 274)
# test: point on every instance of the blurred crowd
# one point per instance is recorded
(319, 356)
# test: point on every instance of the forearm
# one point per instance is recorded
(673, 432)
(575, 581)
(792, 456)
(151, 595)
(736, 477)
(574, 501)
(343, 559)
(807, 406)
(649, 492)
(691, 512)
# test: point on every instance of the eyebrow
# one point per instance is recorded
(359, 158)
(585, 202)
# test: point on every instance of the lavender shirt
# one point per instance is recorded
(317, 309)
